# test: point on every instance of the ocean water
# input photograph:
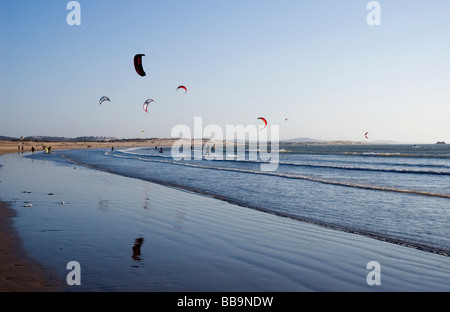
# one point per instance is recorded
(395, 193)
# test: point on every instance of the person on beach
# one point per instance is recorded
(161, 150)
(112, 148)
(32, 149)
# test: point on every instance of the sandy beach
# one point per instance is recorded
(16, 146)
(132, 235)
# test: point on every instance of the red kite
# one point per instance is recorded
(264, 120)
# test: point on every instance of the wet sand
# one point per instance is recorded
(18, 273)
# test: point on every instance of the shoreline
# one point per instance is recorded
(18, 272)
(7, 147)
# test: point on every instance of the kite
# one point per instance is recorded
(365, 134)
(103, 98)
(184, 88)
(146, 104)
(264, 120)
(138, 64)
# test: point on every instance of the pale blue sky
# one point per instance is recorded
(316, 62)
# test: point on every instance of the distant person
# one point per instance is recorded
(161, 150)
(156, 147)
(32, 149)
(112, 148)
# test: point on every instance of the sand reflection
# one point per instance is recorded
(137, 250)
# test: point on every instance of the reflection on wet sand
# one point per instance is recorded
(103, 204)
(137, 250)
(180, 218)
(146, 204)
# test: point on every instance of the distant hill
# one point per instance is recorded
(318, 142)
(385, 142)
(7, 138)
(314, 141)
(302, 140)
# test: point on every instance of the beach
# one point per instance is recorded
(16, 146)
(129, 234)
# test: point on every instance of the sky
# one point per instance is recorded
(318, 63)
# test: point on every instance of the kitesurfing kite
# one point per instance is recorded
(365, 134)
(184, 88)
(103, 98)
(264, 120)
(138, 64)
(146, 104)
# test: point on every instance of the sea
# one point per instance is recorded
(394, 193)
